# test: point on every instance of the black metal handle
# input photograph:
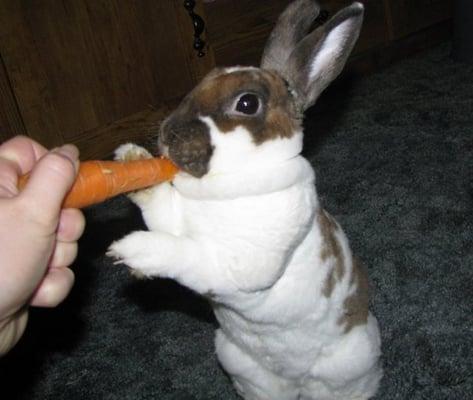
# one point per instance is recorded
(199, 26)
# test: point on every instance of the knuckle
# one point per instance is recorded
(54, 288)
(71, 225)
(60, 165)
(64, 255)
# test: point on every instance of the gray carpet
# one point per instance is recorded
(394, 157)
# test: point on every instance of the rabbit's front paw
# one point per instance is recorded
(131, 152)
(136, 251)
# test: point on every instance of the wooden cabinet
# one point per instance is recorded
(75, 66)
(99, 73)
(406, 17)
(238, 29)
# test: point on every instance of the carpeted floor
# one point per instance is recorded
(394, 157)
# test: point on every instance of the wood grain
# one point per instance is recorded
(76, 65)
(407, 16)
(11, 123)
(99, 73)
(197, 67)
(26, 75)
(141, 127)
(238, 29)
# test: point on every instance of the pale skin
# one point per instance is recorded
(38, 239)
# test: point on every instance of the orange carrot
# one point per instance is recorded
(100, 180)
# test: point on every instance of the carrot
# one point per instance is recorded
(100, 180)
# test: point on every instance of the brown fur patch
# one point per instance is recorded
(356, 305)
(187, 138)
(331, 248)
(217, 93)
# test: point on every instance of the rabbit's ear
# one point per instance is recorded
(320, 56)
(292, 26)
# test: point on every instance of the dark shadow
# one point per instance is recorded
(157, 295)
(107, 222)
(321, 119)
(111, 221)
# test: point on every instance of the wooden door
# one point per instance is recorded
(406, 17)
(72, 68)
(238, 29)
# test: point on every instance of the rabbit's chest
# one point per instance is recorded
(269, 219)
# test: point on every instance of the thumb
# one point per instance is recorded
(49, 182)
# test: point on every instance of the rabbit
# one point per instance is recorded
(241, 223)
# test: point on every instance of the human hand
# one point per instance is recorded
(38, 239)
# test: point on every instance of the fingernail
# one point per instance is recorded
(69, 151)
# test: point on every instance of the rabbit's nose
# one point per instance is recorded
(173, 131)
(172, 136)
(188, 144)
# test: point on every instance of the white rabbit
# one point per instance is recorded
(242, 225)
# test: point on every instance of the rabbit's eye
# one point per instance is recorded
(248, 104)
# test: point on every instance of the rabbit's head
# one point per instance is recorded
(246, 117)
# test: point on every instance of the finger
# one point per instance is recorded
(8, 178)
(11, 330)
(23, 152)
(54, 288)
(71, 225)
(64, 254)
(49, 183)
(17, 156)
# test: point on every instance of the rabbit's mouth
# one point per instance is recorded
(191, 161)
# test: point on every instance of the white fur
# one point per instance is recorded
(249, 240)
(235, 151)
(230, 70)
(330, 49)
